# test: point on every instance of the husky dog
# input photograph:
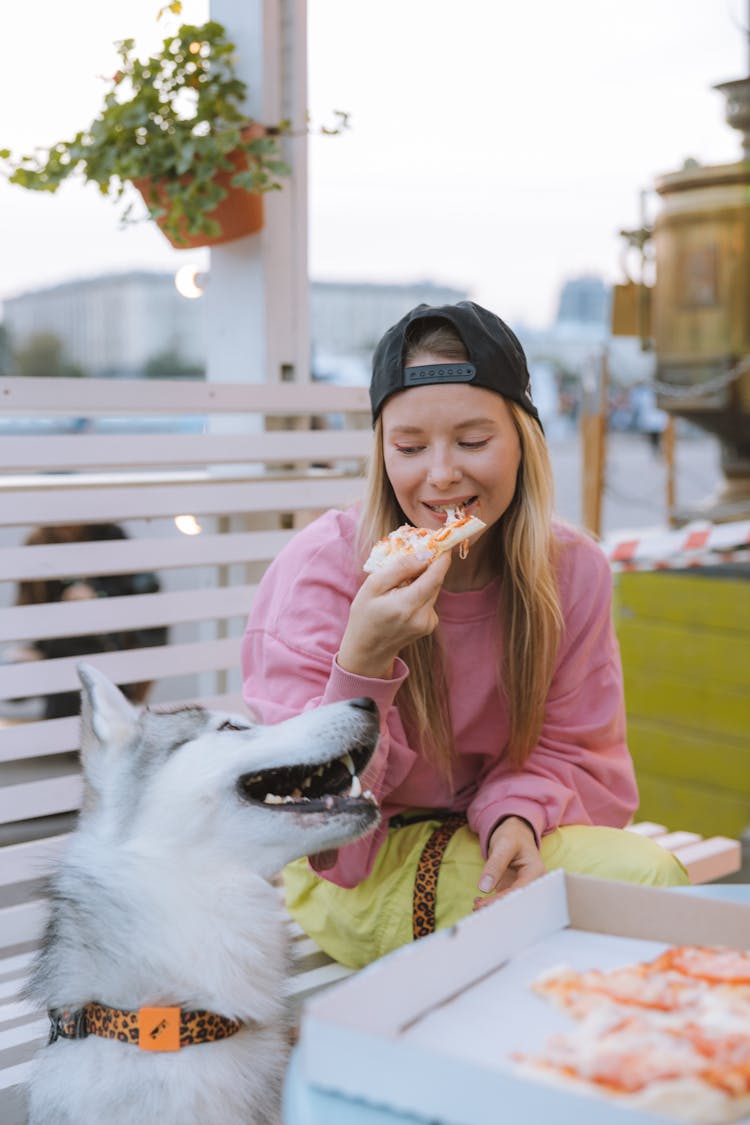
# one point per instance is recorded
(164, 925)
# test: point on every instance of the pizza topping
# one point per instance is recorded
(579, 993)
(426, 543)
(701, 963)
(671, 1035)
(633, 1053)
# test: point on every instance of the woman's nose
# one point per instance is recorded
(443, 471)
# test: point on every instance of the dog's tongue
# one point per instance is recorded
(323, 861)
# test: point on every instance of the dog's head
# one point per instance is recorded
(193, 778)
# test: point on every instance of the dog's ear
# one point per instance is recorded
(106, 715)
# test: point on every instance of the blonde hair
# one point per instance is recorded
(529, 610)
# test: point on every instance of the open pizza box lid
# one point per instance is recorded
(430, 1029)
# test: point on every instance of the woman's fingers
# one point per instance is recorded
(513, 859)
(403, 572)
(392, 608)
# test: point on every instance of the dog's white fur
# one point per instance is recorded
(163, 898)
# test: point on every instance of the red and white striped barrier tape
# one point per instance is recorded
(697, 544)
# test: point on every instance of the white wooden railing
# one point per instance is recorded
(265, 460)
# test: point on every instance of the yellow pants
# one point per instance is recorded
(357, 926)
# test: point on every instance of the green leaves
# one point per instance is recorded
(173, 118)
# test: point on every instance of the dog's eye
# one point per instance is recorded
(230, 726)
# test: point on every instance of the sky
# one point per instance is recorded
(495, 145)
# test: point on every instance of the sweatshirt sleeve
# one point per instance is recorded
(580, 771)
(289, 649)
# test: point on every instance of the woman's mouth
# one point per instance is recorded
(446, 509)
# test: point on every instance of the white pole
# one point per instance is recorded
(257, 318)
(257, 298)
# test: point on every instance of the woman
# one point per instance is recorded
(42, 591)
(497, 676)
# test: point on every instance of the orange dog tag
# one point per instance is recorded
(159, 1029)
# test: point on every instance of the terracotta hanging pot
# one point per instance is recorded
(239, 213)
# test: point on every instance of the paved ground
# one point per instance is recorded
(635, 493)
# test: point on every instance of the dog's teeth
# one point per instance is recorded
(273, 799)
(329, 802)
(369, 796)
(356, 789)
(307, 783)
(347, 760)
(319, 771)
(296, 793)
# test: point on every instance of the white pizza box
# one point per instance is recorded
(429, 1029)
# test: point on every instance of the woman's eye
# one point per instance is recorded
(409, 448)
(474, 444)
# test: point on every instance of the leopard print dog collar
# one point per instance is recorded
(150, 1029)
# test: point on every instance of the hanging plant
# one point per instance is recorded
(173, 124)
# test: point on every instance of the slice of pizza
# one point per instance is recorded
(426, 543)
(716, 965)
(682, 977)
(687, 1073)
(632, 986)
(669, 1036)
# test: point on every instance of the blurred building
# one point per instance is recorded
(111, 325)
(115, 324)
(348, 318)
(585, 300)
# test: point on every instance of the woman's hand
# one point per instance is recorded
(513, 860)
(394, 606)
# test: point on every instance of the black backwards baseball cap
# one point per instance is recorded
(496, 359)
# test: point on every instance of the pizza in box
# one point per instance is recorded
(669, 1036)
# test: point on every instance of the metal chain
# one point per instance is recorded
(700, 390)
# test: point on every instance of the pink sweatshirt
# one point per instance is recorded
(580, 772)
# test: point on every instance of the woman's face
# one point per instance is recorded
(450, 444)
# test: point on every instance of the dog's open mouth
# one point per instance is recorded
(322, 788)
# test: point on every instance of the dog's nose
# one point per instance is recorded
(364, 703)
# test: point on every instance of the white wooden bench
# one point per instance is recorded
(267, 460)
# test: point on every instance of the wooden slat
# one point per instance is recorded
(91, 397)
(647, 828)
(60, 736)
(82, 451)
(674, 841)
(688, 703)
(46, 676)
(19, 1009)
(29, 739)
(21, 863)
(15, 1075)
(124, 556)
(710, 859)
(32, 1033)
(77, 501)
(690, 754)
(45, 797)
(700, 653)
(695, 600)
(23, 923)
(15, 966)
(133, 611)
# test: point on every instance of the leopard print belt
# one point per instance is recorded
(428, 869)
(151, 1029)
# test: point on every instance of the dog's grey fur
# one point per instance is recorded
(164, 898)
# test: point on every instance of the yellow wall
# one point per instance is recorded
(685, 642)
